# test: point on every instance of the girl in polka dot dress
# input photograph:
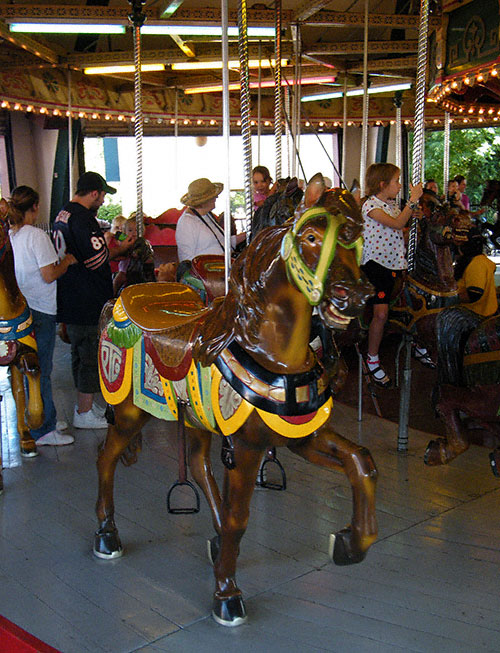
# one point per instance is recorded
(384, 250)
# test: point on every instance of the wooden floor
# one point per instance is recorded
(430, 583)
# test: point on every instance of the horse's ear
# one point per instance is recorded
(315, 189)
(4, 208)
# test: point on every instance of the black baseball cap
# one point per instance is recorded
(93, 181)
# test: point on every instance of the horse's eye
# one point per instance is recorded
(311, 238)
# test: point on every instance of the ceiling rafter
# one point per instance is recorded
(399, 63)
(29, 45)
(167, 56)
(347, 19)
(357, 47)
(308, 9)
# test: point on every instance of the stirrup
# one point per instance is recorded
(424, 358)
(384, 382)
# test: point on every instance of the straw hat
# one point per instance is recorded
(200, 191)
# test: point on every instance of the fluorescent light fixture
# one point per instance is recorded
(209, 65)
(357, 91)
(268, 83)
(109, 70)
(66, 28)
(203, 30)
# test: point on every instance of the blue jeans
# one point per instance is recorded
(45, 332)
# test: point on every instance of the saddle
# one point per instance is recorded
(209, 268)
(169, 316)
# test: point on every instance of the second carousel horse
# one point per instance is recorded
(243, 369)
(18, 349)
(467, 397)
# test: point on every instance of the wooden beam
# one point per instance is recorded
(355, 19)
(356, 47)
(400, 63)
(28, 44)
(308, 9)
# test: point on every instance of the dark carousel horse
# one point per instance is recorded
(467, 397)
(431, 286)
(18, 350)
(241, 368)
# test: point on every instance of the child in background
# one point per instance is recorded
(130, 233)
(117, 242)
(384, 250)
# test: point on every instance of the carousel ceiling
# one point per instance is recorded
(48, 72)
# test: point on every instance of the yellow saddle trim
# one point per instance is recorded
(288, 430)
(121, 393)
(30, 341)
(238, 418)
(201, 409)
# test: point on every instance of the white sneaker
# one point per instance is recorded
(88, 420)
(61, 425)
(55, 438)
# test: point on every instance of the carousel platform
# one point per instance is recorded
(430, 582)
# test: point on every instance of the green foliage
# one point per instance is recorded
(474, 153)
(109, 211)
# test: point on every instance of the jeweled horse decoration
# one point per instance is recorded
(241, 368)
(18, 349)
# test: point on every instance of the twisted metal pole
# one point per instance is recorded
(398, 101)
(417, 172)
(277, 88)
(446, 153)
(245, 113)
(344, 128)
(70, 140)
(419, 125)
(137, 18)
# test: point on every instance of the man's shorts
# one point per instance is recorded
(84, 351)
(383, 279)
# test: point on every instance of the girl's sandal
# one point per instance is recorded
(384, 381)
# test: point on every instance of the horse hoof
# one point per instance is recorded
(30, 451)
(229, 612)
(213, 547)
(436, 453)
(107, 545)
(340, 549)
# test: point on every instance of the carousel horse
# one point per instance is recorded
(241, 368)
(467, 397)
(18, 349)
(431, 286)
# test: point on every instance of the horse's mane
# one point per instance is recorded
(242, 308)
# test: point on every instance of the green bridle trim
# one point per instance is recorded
(312, 284)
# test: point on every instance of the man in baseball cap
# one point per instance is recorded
(90, 181)
(83, 291)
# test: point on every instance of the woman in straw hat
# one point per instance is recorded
(198, 231)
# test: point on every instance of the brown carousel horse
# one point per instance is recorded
(467, 397)
(18, 349)
(241, 368)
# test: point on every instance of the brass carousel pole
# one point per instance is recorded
(137, 18)
(417, 172)
(245, 113)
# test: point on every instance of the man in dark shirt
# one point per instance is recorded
(84, 289)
